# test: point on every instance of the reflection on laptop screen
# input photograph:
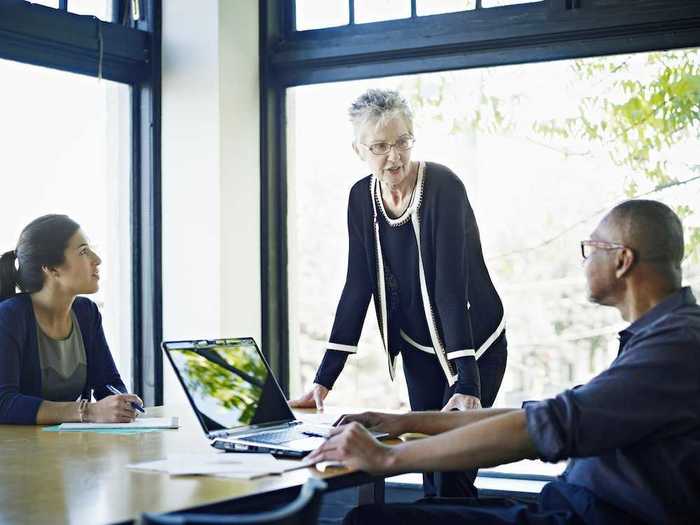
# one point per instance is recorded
(229, 383)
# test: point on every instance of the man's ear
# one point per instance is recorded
(624, 262)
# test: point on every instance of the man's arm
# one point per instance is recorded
(430, 423)
(492, 441)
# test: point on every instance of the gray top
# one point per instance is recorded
(63, 364)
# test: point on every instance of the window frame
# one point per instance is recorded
(129, 54)
(523, 33)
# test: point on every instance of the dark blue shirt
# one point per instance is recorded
(20, 371)
(633, 430)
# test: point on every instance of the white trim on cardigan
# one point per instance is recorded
(342, 348)
(497, 332)
(461, 353)
(407, 338)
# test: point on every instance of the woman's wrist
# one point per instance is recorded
(82, 410)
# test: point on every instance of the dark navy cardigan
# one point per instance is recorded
(467, 310)
(20, 372)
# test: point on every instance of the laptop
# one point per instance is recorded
(237, 399)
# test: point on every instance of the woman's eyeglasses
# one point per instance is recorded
(383, 148)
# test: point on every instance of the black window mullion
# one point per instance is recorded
(147, 219)
(63, 5)
(273, 202)
(351, 12)
(414, 8)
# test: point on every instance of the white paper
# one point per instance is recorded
(238, 465)
(142, 422)
(317, 418)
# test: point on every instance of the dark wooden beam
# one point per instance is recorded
(549, 30)
(39, 35)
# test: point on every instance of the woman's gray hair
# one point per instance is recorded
(378, 106)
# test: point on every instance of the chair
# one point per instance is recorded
(302, 511)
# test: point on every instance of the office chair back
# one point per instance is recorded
(302, 511)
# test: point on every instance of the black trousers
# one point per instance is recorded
(428, 390)
(557, 504)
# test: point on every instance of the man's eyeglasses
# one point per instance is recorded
(383, 148)
(587, 247)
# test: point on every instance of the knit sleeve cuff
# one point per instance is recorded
(331, 366)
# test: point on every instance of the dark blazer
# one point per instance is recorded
(466, 309)
(20, 372)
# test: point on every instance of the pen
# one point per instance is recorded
(118, 393)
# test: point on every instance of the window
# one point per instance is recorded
(433, 7)
(543, 149)
(321, 14)
(120, 144)
(380, 10)
(315, 14)
(101, 9)
(66, 149)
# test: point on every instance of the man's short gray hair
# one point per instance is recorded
(378, 106)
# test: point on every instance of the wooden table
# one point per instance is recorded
(81, 477)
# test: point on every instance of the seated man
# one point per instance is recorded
(633, 431)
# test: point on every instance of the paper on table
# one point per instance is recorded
(318, 418)
(243, 466)
(114, 431)
(142, 422)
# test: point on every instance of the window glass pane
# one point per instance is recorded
(47, 3)
(543, 150)
(378, 10)
(435, 7)
(316, 14)
(497, 3)
(66, 149)
(102, 9)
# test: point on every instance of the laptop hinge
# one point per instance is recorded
(251, 428)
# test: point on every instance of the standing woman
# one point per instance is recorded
(414, 246)
(53, 352)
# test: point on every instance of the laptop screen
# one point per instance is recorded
(228, 383)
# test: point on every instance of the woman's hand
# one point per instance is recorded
(113, 409)
(392, 424)
(462, 402)
(312, 399)
(354, 446)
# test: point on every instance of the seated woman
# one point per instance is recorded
(52, 346)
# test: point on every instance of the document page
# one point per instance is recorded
(141, 422)
(246, 465)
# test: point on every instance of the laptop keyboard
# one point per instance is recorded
(277, 436)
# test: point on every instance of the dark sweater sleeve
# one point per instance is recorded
(15, 407)
(456, 232)
(354, 300)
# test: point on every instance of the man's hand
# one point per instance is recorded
(392, 424)
(462, 402)
(312, 399)
(354, 446)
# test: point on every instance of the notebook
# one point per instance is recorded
(141, 422)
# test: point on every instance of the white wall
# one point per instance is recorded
(211, 174)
